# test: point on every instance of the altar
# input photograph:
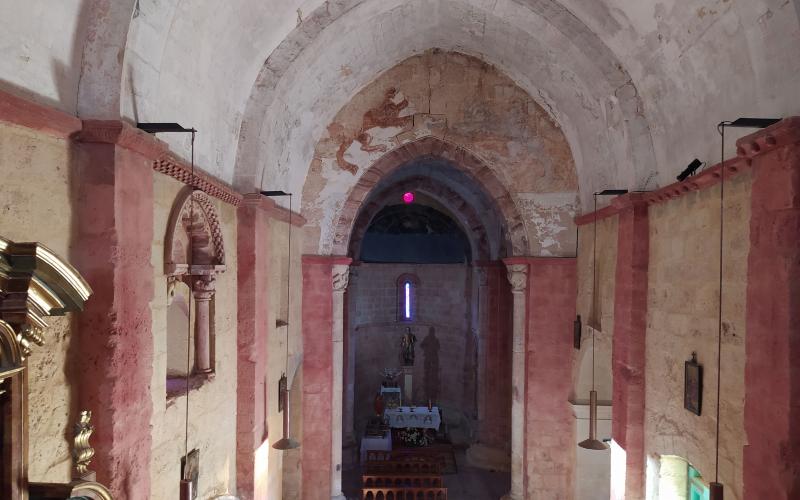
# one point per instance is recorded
(404, 417)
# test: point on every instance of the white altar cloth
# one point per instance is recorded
(403, 417)
(375, 443)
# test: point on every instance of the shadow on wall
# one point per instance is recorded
(430, 346)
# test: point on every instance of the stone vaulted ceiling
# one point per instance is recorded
(636, 86)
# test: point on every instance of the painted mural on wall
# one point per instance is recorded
(465, 102)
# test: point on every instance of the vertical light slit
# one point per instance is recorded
(408, 300)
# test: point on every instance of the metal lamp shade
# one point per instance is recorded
(285, 443)
(593, 443)
(716, 491)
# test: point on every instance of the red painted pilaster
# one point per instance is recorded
(772, 373)
(252, 246)
(549, 422)
(113, 247)
(630, 327)
(317, 375)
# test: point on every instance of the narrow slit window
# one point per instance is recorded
(407, 311)
(407, 288)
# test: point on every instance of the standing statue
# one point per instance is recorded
(407, 345)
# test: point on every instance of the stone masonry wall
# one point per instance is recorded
(36, 194)
(445, 368)
(682, 318)
(212, 412)
(606, 270)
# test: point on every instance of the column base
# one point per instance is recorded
(510, 496)
(338, 497)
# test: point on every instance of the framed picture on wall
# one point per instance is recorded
(693, 385)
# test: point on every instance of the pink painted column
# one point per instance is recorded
(252, 249)
(772, 371)
(318, 375)
(628, 348)
(549, 421)
(114, 236)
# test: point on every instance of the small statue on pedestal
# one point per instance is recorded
(407, 345)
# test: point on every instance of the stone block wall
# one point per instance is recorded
(445, 368)
(37, 186)
(212, 412)
(682, 318)
(604, 302)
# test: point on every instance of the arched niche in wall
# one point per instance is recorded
(194, 253)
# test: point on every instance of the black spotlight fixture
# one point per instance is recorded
(158, 127)
(690, 170)
(612, 192)
(576, 333)
(753, 122)
(275, 193)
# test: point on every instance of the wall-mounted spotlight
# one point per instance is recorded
(612, 192)
(753, 122)
(158, 127)
(690, 170)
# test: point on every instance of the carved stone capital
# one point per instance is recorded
(203, 287)
(518, 277)
(482, 275)
(341, 277)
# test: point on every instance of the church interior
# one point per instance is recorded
(400, 249)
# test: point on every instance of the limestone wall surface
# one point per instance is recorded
(682, 318)
(212, 406)
(283, 469)
(35, 198)
(445, 368)
(604, 302)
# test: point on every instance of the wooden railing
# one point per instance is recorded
(383, 467)
(404, 494)
(402, 481)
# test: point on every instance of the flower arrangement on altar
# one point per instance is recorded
(413, 436)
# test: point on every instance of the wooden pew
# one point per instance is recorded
(404, 494)
(402, 481)
(384, 467)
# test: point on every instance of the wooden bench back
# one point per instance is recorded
(402, 481)
(404, 494)
(383, 467)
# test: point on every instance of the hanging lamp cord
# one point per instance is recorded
(288, 295)
(721, 130)
(189, 328)
(594, 284)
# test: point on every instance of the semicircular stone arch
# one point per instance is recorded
(461, 211)
(193, 227)
(430, 147)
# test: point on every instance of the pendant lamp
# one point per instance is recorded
(286, 442)
(592, 443)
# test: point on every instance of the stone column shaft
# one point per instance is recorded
(340, 276)
(518, 277)
(203, 293)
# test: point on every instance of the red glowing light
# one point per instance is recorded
(408, 197)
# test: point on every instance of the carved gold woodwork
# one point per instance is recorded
(82, 451)
(84, 484)
(34, 283)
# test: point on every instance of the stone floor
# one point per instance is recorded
(469, 484)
